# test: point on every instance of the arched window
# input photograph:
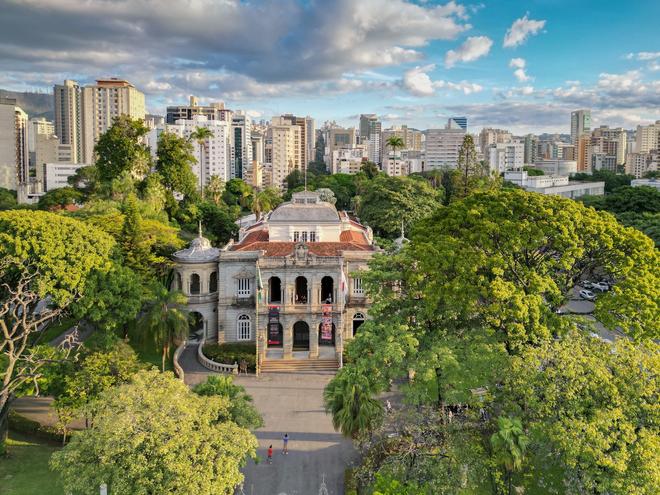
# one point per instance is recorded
(327, 290)
(213, 282)
(274, 290)
(244, 328)
(195, 284)
(301, 290)
(358, 320)
(178, 284)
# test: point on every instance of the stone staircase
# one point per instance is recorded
(299, 365)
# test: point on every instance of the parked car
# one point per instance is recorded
(586, 284)
(587, 294)
(601, 286)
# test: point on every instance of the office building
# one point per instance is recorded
(441, 148)
(213, 111)
(56, 175)
(242, 129)
(337, 138)
(14, 157)
(457, 123)
(38, 126)
(580, 124)
(370, 134)
(506, 156)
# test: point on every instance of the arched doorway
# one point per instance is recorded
(326, 338)
(195, 326)
(300, 336)
(358, 320)
(275, 335)
(301, 291)
(274, 290)
(327, 290)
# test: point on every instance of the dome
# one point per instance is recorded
(200, 251)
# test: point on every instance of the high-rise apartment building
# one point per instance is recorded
(647, 138)
(583, 153)
(38, 126)
(441, 148)
(337, 138)
(307, 140)
(365, 125)
(580, 124)
(14, 158)
(638, 164)
(489, 136)
(371, 135)
(286, 155)
(412, 139)
(213, 111)
(216, 151)
(69, 117)
(614, 142)
(102, 103)
(531, 147)
(242, 128)
(506, 156)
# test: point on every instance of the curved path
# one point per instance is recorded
(290, 403)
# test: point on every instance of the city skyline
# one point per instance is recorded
(524, 68)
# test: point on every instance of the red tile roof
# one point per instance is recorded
(353, 236)
(317, 248)
(256, 236)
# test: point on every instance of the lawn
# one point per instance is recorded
(147, 353)
(25, 471)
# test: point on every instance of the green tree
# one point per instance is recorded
(509, 444)
(295, 180)
(317, 167)
(132, 240)
(85, 180)
(164, 322)
(174, 164)
(120, 149)
(201, 135)
(471, 171)
(264, 201)
(42, 256)
(241, 410)
(389, 200)
(60, 198)
(153, 435)
(594, 405)
(349, 399)
(370, 168)
(237, 193)
(396, 143)
(219, 222)
(612, 180)
(7, 199)
(214, 189)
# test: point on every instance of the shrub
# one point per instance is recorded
(31, 428)
(232, 352)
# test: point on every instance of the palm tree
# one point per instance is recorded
(215, 188)
(349, 398)
(509, 444)
(201, 134)
(164, 322)
(395, 142)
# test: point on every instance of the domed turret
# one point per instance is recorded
(199, 251)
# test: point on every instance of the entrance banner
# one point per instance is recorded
(326, 323)
(274, 336)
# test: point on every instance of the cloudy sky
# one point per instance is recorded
(514, 64)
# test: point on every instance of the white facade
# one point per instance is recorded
(39, 126)
(647, 138)
(56, 174)
(348, 160)
(441, 148)
(557, 167)
(286, 156)
(549, 184)
(216, 151)
(638, 164)
(506, 156)
(645, 182)
(14, 157)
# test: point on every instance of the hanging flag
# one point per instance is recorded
(344, 284)
(260, 284)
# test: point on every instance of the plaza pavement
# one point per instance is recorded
(290, 403)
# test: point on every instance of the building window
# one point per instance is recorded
(244, 330)
(213, 282)
(195, 285)
(296, 236)
(358, 320)
(244, 287)
(304, 237)
(358, 290)
(312, 237)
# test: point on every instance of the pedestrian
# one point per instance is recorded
(285, 441)
(270, 454)
(388, 406)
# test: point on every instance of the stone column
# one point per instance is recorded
(287, 328)
(313, 338)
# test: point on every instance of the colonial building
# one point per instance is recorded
(292, 280)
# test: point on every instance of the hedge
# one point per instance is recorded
(232, 352)
(21, 424)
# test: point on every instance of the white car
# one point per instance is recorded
(586, 284)
(601, 286)
(587, 294)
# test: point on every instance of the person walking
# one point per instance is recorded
(285, 441)
(270, 454)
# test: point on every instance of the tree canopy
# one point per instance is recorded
(153, 435)
(119, 150)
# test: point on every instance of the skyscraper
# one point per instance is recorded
(285, 150)
(241, 127)
(14, 162)
(370, 134)
(441, 147)
(307, 140)
(457, 123)
(580, 124)
(69, 117)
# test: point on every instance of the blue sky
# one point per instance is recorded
(518, 65)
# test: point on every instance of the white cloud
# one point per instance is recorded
(520, 30)
(419, 83)
(473, 48)
(643, 56)
(519, 64)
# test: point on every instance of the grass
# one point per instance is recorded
(55, 329)
(148, 353)
(25, 471)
